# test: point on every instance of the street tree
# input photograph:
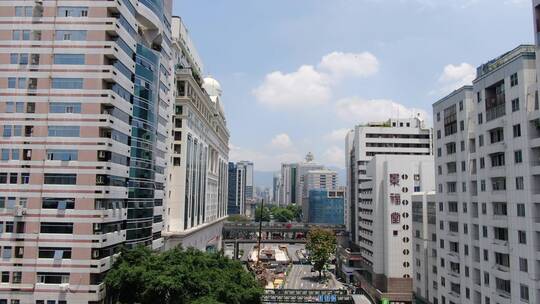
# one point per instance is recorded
(321, 244)
(265, 212)
(282, 215)
(179, 276)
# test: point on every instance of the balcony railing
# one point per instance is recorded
(495, 112)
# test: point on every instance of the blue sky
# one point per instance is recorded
(297, 73)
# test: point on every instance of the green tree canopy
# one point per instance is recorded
(238, 218)
(180, 277)
(321, 244)
(283, 215)
(265, 214)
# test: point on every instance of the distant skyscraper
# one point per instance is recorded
(276, 185)
(292, 180)
(317, 180)
(240, 187)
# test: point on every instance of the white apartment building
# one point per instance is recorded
(487, 185)
(384, 225)
(197, 189)
(424, 227)
(393, 137)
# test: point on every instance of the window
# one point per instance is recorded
(439, 152)
(517, 130)
(5, 154)
(520, 210)
(502, 259)
(64, 131)
(64, 155)
(16, 83)
(16, 277)
(502, 285)
(497, 159)
(523, 265)
(518, 157)
(65, 107)
(54, 253)
(67, 83)
(480, 120)
(58, 203)
(461, 125)
(519, 183)
(515, 105)
(463, 166)
(496, 135)
(20, 35)
(60, 179)
(486, 278)
(462, 145)
(438, 116)
(20, 59)
(498, 183)
(23, 11)
(58, 228)
(482, 163)
(513, 80)
(438, 134)
(451, 148)
(481, 140)
(71, 35)
(68, 58)
(72, 11)
(524, 292)
(500, 208)
(52, 278)
(5, 277)
(522, 237)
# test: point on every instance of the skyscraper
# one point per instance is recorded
(292, 180)
(85, 106)
(240, 186)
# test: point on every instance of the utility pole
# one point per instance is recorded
(260, 232)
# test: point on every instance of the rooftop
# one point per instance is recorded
(494, 64)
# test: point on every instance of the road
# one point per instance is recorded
(301, 277)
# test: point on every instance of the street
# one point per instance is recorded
(301, 277)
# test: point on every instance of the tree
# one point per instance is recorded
(321, 244)
(283, 215)
(296, 210)
(180, 277)
(265, 214)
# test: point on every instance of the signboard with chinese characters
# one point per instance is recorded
(395, 218)
(394, 179)
(395, 198)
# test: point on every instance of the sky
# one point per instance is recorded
(297, 74)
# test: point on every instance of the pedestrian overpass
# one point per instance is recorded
(306, 296)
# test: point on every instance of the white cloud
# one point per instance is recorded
(335, 156)
(312, 86)
(305, 87)
(455, 76)
(337, 135)
(281, 141)
(357, 110)
(341, 64)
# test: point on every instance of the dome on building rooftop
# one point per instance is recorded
(212, 87)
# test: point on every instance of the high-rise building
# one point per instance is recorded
(425, 262)
(276, 185)
(292, 180)
(198, 172)
(240, 187)
(393, 137)
(487, 143)
(85, 111)
(384, 224)
(325, 206)
(317, 180)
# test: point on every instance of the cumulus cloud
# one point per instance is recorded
(310, 85)
(305, 87)
(281, 141)
(335, 156)
(357, 110)
(456, 76)
(341, 64)
(337, 135)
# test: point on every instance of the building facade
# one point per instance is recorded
(317, 180)
(487, 185)
(85, 106)
(385, 223)
(393, 137)
(240, 187)
(292, 180)
(326, 207)
(424, 227)
(198, 173)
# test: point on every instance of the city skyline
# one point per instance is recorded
(283, 46)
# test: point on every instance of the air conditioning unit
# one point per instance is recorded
(64, 287)
(101, 154)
